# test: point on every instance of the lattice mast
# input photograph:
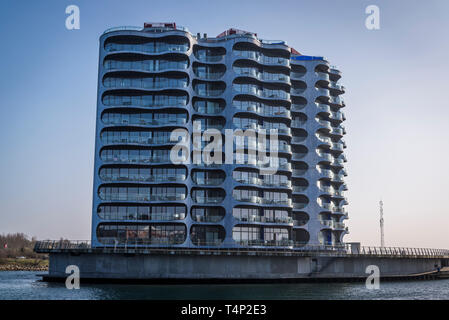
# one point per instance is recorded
(382, 237)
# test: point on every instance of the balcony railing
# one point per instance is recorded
(299, 248)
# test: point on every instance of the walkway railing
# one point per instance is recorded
(80, 246)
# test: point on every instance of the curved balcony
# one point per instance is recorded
(324, 124)
(251, 219)
(209, 89)
(209, 72)
(145, 101)
(338, 210)
(324, 141)
(207, 200)
(208, 214)
(110, 138)
(325, 190)
(109, 175)
(337, 194)
(209, 55)
(142, 197)
(299, 205)
(322, 76)
(322, 92)
(261, 109)
(299, 156)
(326, 207)
(327, 224)
(149, 66)
(150, 48)
(298, 123)
(337, 116)
(261, 93)
(323, 108)
(297, 107)
(298, 173)
(337, 101)
(336, 88)
(209, 106)
(338, 132)
(297, 75)
(300, 140)
(325, 174)
(200, 235)
(135, 160)
(325, 157)
(261, 76)
(297, 91)
(144, 119)
(337, 146)
(299, 189)
(340, 226)
(338, 163)
(334, 73)
(261, 58)
(338, 178)
(145, 83)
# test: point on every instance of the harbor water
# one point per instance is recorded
(27, 285)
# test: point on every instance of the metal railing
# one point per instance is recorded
(226, 248)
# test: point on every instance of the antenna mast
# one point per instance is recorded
(382, 238)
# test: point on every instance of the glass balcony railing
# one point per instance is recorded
(324, 108)
(261, 58)
(322, 92)
(207, 57)
(297, 75)
(298, 172)
(145, 83)
(208, 200)
(299, 189)
(152, 47)
(264, 219)
(327, 223)
(322, 76)
(209, 75)
(263, 109)
(298, 156)
(325, 173)
(338, 146)
(260, 92)
(146, 121)
(137, 140)
(263, 182)
(145, 65)
(141, 197)
(264, 76)
(144, 178)
(137, 160)
(325, 157)
(297, 107)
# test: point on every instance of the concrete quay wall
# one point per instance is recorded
(231, 267)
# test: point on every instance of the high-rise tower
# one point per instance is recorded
(159, 78)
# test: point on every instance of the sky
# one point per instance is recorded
(396, 104)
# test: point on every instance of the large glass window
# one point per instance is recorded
(135, 212)
(145, 234)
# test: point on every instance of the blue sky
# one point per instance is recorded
(397, 108)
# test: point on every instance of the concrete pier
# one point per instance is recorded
(175, 267)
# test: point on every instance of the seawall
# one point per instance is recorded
(144, 268)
